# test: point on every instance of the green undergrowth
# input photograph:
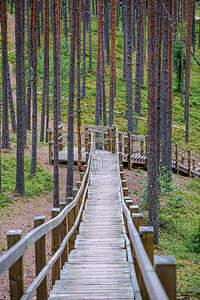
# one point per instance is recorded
(35, 185)
(179, 228)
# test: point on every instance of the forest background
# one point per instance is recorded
(184, 244)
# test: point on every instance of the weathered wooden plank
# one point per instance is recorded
(97, 268)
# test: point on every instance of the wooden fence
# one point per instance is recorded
(152, 283)
(65, 220)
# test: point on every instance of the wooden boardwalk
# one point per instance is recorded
(97, 268)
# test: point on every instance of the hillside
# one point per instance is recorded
(179, 218)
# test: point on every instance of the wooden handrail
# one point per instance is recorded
(152, 283)
(17, 251)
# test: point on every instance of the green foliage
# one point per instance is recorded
(169, 197)
(35, 185)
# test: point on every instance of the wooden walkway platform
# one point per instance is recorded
(97, 268)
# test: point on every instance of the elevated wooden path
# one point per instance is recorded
(132, 147)
(100, 246)
(97, 268)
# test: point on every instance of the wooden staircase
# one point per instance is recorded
(97, 268)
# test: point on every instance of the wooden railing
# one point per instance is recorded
(186, 161)
(140, 249)
(103, 137)
(134, 148)
(68, 216)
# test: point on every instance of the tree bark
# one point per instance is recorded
(5, 120)
(20, 182)
(129, 89)
(152, 132)
(84, 50)
(112, 67)
(34, 111)
(106, 31)
(78, 30)
(170, 79)
(164, 98)
(188, 60)
(55, 9)
(11, 103)
(70, 145)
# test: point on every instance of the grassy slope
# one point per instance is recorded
(176, 235)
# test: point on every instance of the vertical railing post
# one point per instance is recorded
(75, 191)
(120, 147)
(60, 128)
(129, 151)
(166, 270)
(55, 240)
(86, 138)
(50, 146)
(70, 223)
(110, 139)
(189, 163)
(137, 220)
(113, 139)
(146, 235)
(142, 147)
(176, 155)
(40, 259)
(63, 233)
(16, 272)
(193, 164)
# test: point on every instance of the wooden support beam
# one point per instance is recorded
(129, 151)
(166, 270)
(63, 233)
(137, 220)
(55, 244)
(16, 272)
(125, 192)
(189, 163)
(176, 155)
(70, 224)
(50, 138)
(40, 259)
(134, 209)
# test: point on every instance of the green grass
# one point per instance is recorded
(36, 185)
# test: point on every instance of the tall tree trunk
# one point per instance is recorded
(112, 66)
(170, 71)
(11, 104)
(84, 50)
(65, 18)
(24, 68)
(34, 111)
(99, 68)
(106, 30)
(188, 60)
(30, 64)
(5, 120)
(20, 183)
(159, 10)
(70, 158)
(58, 20)
(164, 98)
(182, 66)
(152, 126)
(124, 3)
(103, 67)
(193, 27)
(55, 9)
(46, 17)
(90, 39)
(78, 31)
(133, 24)
(129, 90)
(44, 92)
(138, 72)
